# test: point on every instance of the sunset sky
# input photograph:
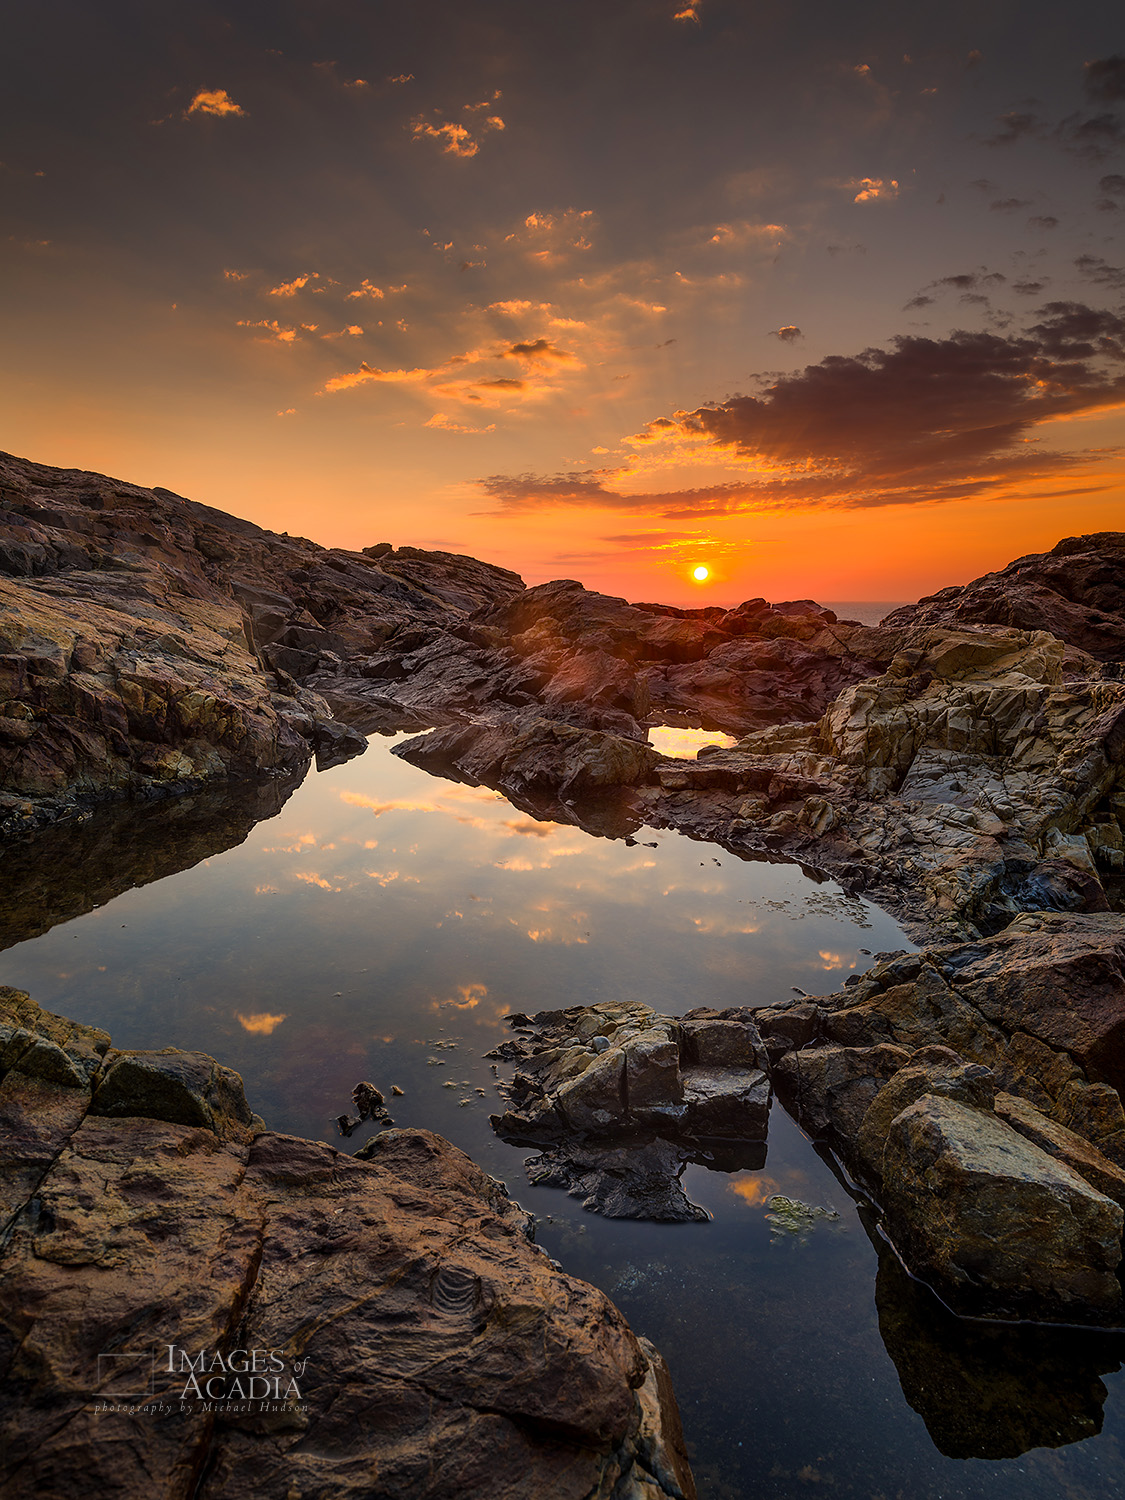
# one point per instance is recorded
(827, 298)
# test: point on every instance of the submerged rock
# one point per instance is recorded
(393, 1311)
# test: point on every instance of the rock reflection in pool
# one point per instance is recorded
(381, 925)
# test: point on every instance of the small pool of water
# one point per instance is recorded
(381, 927)
(685, 744)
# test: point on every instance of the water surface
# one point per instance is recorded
(383, 924)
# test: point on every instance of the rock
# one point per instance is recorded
(1056, 1140)
(1075, 591)
(184, 1088)
(1039, 1004)
(987, 1390)
(623, 1096)
(150, 645)
(948, 1077)
(997, 1225)
(725, 1102)
(828, 1090)
(398, 1316)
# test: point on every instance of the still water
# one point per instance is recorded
(383, 924)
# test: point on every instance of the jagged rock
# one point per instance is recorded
(415, 1330)
(1075, 591)
(184, 1088)
(933, 1070)
(149, 644)
(995, 1223)
(620, 1073)
(1040, 1004)
(829, 1090)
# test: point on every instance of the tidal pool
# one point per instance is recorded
(383, 924)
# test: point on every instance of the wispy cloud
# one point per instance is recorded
(291, 288)
(457, 139)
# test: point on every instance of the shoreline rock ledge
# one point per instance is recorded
(194, 1306)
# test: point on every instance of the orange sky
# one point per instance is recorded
(832, 310)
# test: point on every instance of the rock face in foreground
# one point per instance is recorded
(191, 1305)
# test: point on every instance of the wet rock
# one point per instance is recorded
(996, 1224)
(597, 1083)
(943, 1076)
(828, 1090)
(1067, 1146)
(984, 1390)
(1039, 1004)
(184, 1088)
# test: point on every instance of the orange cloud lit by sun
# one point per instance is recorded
(213, 102)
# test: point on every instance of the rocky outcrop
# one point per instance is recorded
(192, 1305)
(150, 645)
(962, 762)
(992, 1220)
(1076, 592)
(974, 1090)
(623, 1097)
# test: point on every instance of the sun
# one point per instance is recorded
(701, 574)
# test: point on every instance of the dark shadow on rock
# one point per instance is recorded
(69, 869)
(626, 1180)
(982, 1389)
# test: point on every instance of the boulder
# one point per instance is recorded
(995, 1224)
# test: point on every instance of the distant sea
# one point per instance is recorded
(866, 611)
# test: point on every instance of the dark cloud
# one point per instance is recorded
(536, 349)
(1028, 288)
(788, 334)
(1094, 268)
(1092, 139)
(1009, 205)
(1043, 221)
(1107, 206)
(1105, 78)
(974, 299)
(927, 419)
(919, 301)
(1016, 125)
(1113, 183)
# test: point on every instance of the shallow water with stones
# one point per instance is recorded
(383, 924)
